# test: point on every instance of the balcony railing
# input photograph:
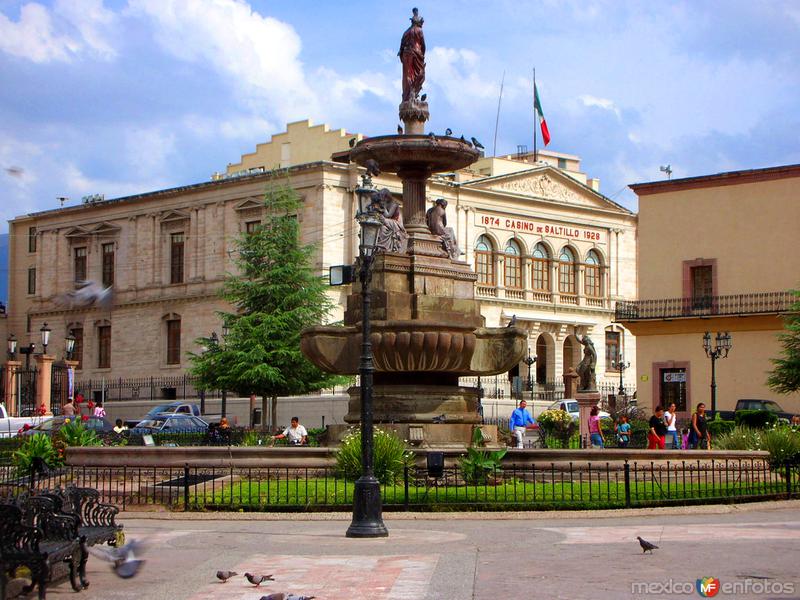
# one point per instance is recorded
(705, 306)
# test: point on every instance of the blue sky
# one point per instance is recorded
(126, 96)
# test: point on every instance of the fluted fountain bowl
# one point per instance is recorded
(415, 346)
(395, 153)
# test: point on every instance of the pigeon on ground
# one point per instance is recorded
(399, 130)
(646, 545)
(223, 576)
(125, 563)
(352, 142)
(286, 596)
(423, 97)
(448, 131)
(513, 321)
(477, 144)
(257, 580)
(372, 167)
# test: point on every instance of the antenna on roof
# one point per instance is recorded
(666, 169)
(62, 199)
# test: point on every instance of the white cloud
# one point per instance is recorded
(604, 103)
(147, 149)
(71, 29)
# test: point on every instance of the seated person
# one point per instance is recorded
(295, 433)
(119, 426)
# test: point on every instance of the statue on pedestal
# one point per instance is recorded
(588, 379)
(412, 55)
(436, 218)
(392, 237)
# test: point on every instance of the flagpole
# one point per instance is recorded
(497, 120)
(535, 118)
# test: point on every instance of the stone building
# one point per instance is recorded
(547, 245)
(717, 253)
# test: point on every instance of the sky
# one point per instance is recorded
(118, 97)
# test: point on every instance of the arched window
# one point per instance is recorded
(591, 277)
(513, 268)
(484, 262)
(566, 272)
(541, 268)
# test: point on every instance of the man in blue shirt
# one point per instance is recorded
(521, 420)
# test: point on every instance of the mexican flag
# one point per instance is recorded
(538, 107)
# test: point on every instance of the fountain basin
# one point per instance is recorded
(396, 153)
(417, 347)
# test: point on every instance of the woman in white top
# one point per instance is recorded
(671, 421)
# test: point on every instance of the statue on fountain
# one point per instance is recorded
(412, 55)
(392, 236)
(436, 218)
(588, 379)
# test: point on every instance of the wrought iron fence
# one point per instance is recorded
(26, 391)
(736, 304)
(59, 387)
(529, 487)
(179, 387)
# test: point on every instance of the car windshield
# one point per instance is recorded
(772, 406)
(49, 424)
(161, 408)
(152, 423)
(572, 406)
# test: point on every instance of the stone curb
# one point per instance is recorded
(709, 509)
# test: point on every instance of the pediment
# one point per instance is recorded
(547, 183)
(77, 232)
(105, 229)
(249, 204)
(174, 215)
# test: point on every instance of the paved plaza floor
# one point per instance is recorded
(464, 556)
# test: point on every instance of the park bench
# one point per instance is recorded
(34, 535)
(96, 520)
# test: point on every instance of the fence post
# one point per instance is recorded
(788, 479)
(405, 487)
(627, 469)
(186, 487)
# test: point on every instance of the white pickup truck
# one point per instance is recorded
(10, 425)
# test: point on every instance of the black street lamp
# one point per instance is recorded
(12, 346)
(367, 510)
(215, 346)
(620, 365)
(722, 345)
(27, 351)
(69, 344)
(529, 361)
(45, 331)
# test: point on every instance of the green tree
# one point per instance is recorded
(275, 295)
(785, 377)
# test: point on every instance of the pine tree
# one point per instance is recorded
(785, 377)
(275, 294)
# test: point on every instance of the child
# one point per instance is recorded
(685, 439)
(623, 432)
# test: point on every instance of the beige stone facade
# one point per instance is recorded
(717, 253)
(552, 250)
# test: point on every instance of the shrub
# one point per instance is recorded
(739, 438)
(256, 438)
(557, 426)
(755, 418)
(477, 465)
(783, 445)
(389, 459)
(36, 446)
(719, 427)
(75, 433)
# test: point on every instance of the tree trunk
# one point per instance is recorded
(264, 414)
(274, 412)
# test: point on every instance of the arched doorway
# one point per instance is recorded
(543, 359)
(571, 354)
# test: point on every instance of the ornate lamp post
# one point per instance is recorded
(367, 511)
(620, 365)
(529, 361)
(722, 345)
(69, 344)
(45, 331)
(12, 346)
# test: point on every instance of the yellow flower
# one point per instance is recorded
(66, 420)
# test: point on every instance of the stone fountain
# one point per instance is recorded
(427, 329)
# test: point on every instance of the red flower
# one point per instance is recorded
(85, 418)
(90, 405)
(41, 411)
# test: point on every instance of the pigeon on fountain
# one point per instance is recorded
(423, 97)
(399, 130)
(352, 142)
(372, 167)
(464, 140)
(448, 131)
(477, 144)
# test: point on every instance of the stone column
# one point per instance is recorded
(554, 286)
(71, 365)
(586, 400)
(10, 375)
(44, 366)
(414, 203)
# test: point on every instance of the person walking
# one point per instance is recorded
(623, 430)
(595, 431)
(521, 420)
(68, 410)
(671, 420)
(99, 411)
(700, 436)
(658, 430)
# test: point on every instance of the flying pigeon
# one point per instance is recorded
(513, 321)
(399, 130)
(646, 545)
(88, 293)
(223, 576)
(477, 144)
(15, 171)
(125, 563)
(448, 131)
(352, 142)
(372, 167)
(423, 97)
(286, 596)
(257, 580)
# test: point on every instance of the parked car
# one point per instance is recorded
(98, 424)
(9, 426)
(571, 406)
(174, 408)
(754, 404)
(167, 423)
